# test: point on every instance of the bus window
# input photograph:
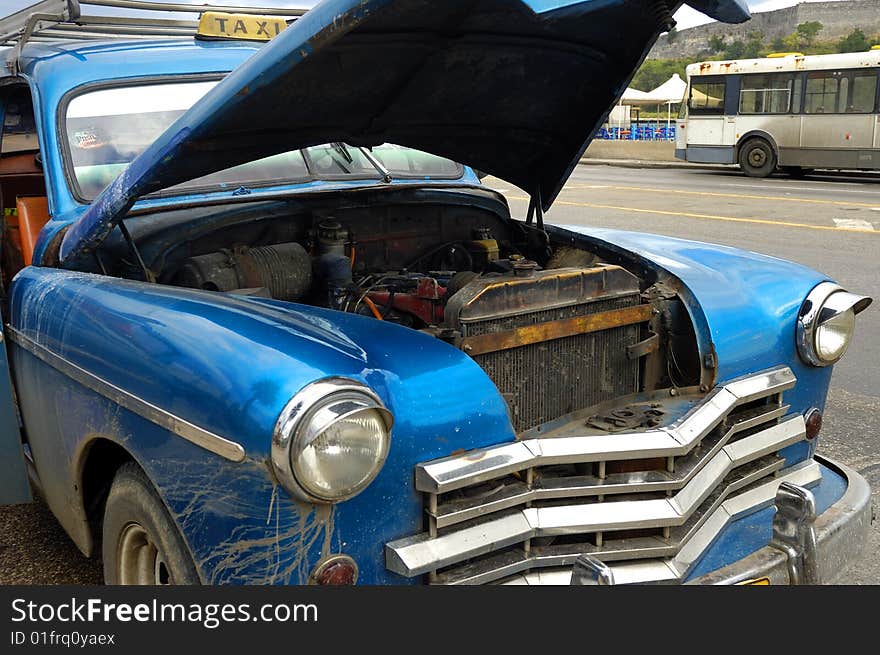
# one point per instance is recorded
(766, 94)
(796, 94)
(823, 89)
(862, 93)
(706, 97)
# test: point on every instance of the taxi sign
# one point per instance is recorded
(248, 27)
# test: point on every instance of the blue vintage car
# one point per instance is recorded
(251, 341)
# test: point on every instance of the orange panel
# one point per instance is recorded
(33, 214)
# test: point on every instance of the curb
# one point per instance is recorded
(647, 163)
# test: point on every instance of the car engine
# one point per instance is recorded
(555, 337)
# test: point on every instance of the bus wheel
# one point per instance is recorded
(756, 158)
(141, 544)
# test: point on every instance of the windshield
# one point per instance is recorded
(108, 128)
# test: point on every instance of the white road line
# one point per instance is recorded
(832, 188)
(854, 224)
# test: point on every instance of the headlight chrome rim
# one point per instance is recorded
(288, 440)
(824, 303)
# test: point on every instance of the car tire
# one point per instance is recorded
(757, 158)
(140, 542)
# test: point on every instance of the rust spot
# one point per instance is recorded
(243, 91)
(529, 334)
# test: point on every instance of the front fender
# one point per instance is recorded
(229, 364)
(744, 305)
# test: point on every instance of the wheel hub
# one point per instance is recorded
(140, 562)
(757, 157)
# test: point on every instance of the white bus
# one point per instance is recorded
(785, 112)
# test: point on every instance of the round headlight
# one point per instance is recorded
(826, 323)
(331, 440)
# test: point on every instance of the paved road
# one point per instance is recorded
(822, 221)
(828, 222)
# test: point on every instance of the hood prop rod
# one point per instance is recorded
(535, 210)
(149, 276)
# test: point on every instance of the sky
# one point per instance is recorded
(685, 17)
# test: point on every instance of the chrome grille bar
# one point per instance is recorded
(450, 473)
(423, 553)
(519, 493)
(676, 568)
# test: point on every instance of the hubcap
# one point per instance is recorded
(757, 157)
(139, 560)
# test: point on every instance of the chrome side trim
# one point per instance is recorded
(450, 473)
(422, 553)
(673, 570)
(182, 428)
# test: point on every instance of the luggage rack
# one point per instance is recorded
(54, 20)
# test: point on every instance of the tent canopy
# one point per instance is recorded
(671, 91)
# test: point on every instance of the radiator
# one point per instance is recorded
(559, 368)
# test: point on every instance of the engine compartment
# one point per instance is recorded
(557, 326)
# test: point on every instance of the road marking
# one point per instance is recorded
(811, 188)
(708, 217)
(814, 201)
(854, 224)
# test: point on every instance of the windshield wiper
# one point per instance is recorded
(384, 172)
(342, 150)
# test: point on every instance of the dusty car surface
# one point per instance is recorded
(262, 327)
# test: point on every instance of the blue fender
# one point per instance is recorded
(229, 364)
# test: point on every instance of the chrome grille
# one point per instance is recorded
(651, 501)
(546, 380)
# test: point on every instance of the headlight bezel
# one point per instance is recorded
(825, 302)
(294, 431)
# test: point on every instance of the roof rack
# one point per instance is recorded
(53, 20)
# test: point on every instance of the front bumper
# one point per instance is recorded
(841, 537)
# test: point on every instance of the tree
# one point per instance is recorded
(653, 72)
(808, 31)
(754, 45)
(735, 50)
(716, 44)
(778, 44)
(672, 34)
(855, 41)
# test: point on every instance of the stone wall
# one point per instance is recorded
(837, 18)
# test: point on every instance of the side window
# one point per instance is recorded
(822, 92)
(796, 94)
(766, 94)
(22, 184)
(706, 96)
(19, 128)
(863, 90)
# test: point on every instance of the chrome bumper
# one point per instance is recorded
(839, 537)
(521, 520)
(841, 534)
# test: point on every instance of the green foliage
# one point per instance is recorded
(855, 41)
(716, 44)
(808, 31)
(735, 50)
(754, 46)
(656, 71)
(672, 35)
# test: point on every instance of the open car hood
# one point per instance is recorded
(514, 88)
